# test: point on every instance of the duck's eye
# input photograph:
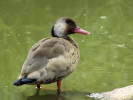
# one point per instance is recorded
(68, 21)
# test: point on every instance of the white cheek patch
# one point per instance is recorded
(59, 29)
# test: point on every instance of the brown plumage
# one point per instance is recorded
(52, 59)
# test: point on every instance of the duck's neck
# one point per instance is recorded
(59, 35)
(64, 37)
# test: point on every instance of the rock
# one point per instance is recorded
(125, 93)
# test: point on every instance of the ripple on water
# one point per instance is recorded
(95, 95)
(28, 32)
(103, 17)
(121, 45)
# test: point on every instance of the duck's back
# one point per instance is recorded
(51, 59)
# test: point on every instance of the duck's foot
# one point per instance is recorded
(58, 90)
(38, 86)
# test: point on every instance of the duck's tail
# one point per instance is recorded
(23, 81)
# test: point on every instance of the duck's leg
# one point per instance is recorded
(38, 86)
(59, 86)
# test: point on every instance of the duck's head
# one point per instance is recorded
(65, 26)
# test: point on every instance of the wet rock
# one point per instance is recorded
(125, 93)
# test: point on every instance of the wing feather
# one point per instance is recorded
(42, 52)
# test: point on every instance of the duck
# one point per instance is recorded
(54, 58)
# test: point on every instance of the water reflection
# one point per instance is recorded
(53, 95)
(47, 97)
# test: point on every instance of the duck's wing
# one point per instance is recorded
(51, 53)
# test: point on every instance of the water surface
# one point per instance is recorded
(106, 56)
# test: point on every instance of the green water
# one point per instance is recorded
(106, 56)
